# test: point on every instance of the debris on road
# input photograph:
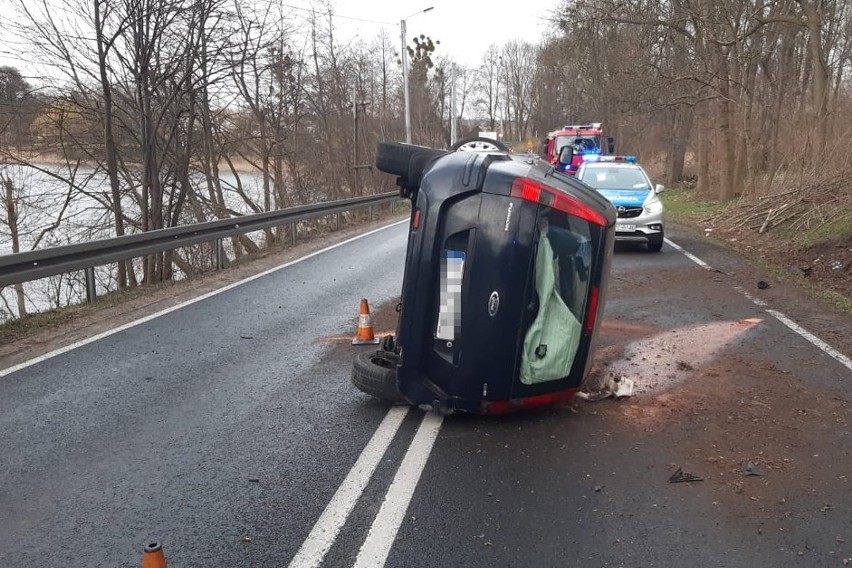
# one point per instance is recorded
(762, 284)
(751, 469)
(800, 270)
(681, 476)
(612, 386)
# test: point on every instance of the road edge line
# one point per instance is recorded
(810, 337)
(134, 323)
(828, 349)
(688, 254)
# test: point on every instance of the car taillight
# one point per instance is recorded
(416, 221)
(530, 190)
(592, 313)
(505, 406)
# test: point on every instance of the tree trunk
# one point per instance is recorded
(703, 184)
(679, 142)
(12, 215)
(109, 139)
(727, 190)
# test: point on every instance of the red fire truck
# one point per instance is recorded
(586, 139)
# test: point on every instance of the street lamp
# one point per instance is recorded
(405, 73)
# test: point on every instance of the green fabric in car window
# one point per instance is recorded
(552, 339)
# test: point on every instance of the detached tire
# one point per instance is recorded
(374, 373)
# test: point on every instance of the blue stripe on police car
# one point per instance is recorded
(625, 197)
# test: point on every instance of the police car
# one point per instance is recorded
(626, 185)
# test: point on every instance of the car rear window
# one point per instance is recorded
(614, 177)
(562, 272)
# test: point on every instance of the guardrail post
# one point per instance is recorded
(371, 213)
(293, 233)
(91, 288)
(337, 218)
(220, 254)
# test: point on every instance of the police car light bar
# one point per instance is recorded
(628, 159)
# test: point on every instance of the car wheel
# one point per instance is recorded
(655, 243)
(405, 161)
(374, 373)
(479, 144)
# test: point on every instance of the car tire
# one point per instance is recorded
(479, 144)
(655, 242)
(405, 161)
(374, 373)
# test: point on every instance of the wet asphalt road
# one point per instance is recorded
(224, 429)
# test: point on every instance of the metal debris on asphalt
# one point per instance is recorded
(751, 469)
(681, 476)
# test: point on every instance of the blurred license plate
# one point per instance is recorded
(625, 228)
(449, 310)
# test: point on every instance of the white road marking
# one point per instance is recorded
(374, 552)
(825, 347)
(71, 347)
(757, 301)
(688, 255)
(843, 359)
(328, 526)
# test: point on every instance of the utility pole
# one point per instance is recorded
(354, 104)
(453, 120)
(405, 83)
(404, 56)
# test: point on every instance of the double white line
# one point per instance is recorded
(377, 546)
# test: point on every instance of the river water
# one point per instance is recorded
(59, 206)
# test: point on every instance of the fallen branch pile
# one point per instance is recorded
(796, 210)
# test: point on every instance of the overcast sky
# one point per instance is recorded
(465, 28)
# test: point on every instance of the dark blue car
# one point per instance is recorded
(505, 278)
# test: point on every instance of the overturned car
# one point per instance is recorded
(505, 277)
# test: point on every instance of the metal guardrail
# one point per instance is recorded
(41, 263)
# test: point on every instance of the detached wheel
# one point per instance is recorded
(655, 243)
(479, 144)
(374, 373)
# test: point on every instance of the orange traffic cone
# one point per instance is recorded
(365, 334)
(153, 556)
